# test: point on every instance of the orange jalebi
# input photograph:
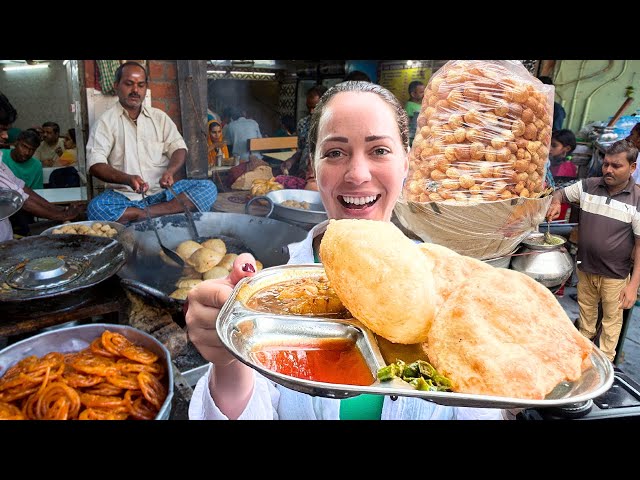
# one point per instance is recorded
(9, 411)
(112, 379)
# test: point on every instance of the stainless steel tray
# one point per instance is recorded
(241, 329)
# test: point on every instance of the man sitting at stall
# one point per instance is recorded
(138, 150)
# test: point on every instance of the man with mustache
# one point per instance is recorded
(134, 149)
(609, 230)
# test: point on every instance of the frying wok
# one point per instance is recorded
(148, 275)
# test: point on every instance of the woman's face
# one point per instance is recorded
(216, 133)
(360, 160)
(68, 142)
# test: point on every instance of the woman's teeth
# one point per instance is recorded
(359, 201)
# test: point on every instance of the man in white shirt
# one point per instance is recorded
(136, 149)
(52, 146)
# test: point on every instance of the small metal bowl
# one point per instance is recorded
(536, 241)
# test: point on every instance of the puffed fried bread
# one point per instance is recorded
(513, 339)
(381, 276)
(450, 270)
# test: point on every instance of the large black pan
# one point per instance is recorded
(148, 275)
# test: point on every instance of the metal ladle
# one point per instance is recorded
(191, 224)
(547, 235)
(168, 252)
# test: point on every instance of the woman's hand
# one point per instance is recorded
(204, 303)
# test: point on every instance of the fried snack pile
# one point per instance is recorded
(97, 229)
(203, 261)
(112, 379)
(262, 187)
(491, 331)
(296, 204)
(483, 135)
(381, 276)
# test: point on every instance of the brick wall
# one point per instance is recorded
(163, 82)
(89, 73)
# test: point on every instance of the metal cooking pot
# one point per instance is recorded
(45, 266)
(316, 213)
(550, 265)
(148, 275)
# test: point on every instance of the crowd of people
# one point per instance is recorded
(354, 142)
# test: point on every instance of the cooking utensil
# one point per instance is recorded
(620, 111)
(265, 238)
(168, 252)
(190, 223)
(241, 330)
(44, 266)
(547, 235)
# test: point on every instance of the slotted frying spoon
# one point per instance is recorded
(191, 224)
(168, 252)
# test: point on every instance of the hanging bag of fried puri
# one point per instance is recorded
(477, 165)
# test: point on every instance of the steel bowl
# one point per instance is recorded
(76, 338)
(536, 241)
(316, 213)
(10, 202)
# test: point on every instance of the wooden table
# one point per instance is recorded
(278, 156)
(235, 201)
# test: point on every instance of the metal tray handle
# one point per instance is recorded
(261, 197)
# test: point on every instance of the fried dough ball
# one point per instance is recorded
(188, 283)
(227, 261)
(204, 259)
(216, 244)
(186, 249)
(189, 272)
(180, 293)
(215, 272)
(400, 309)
